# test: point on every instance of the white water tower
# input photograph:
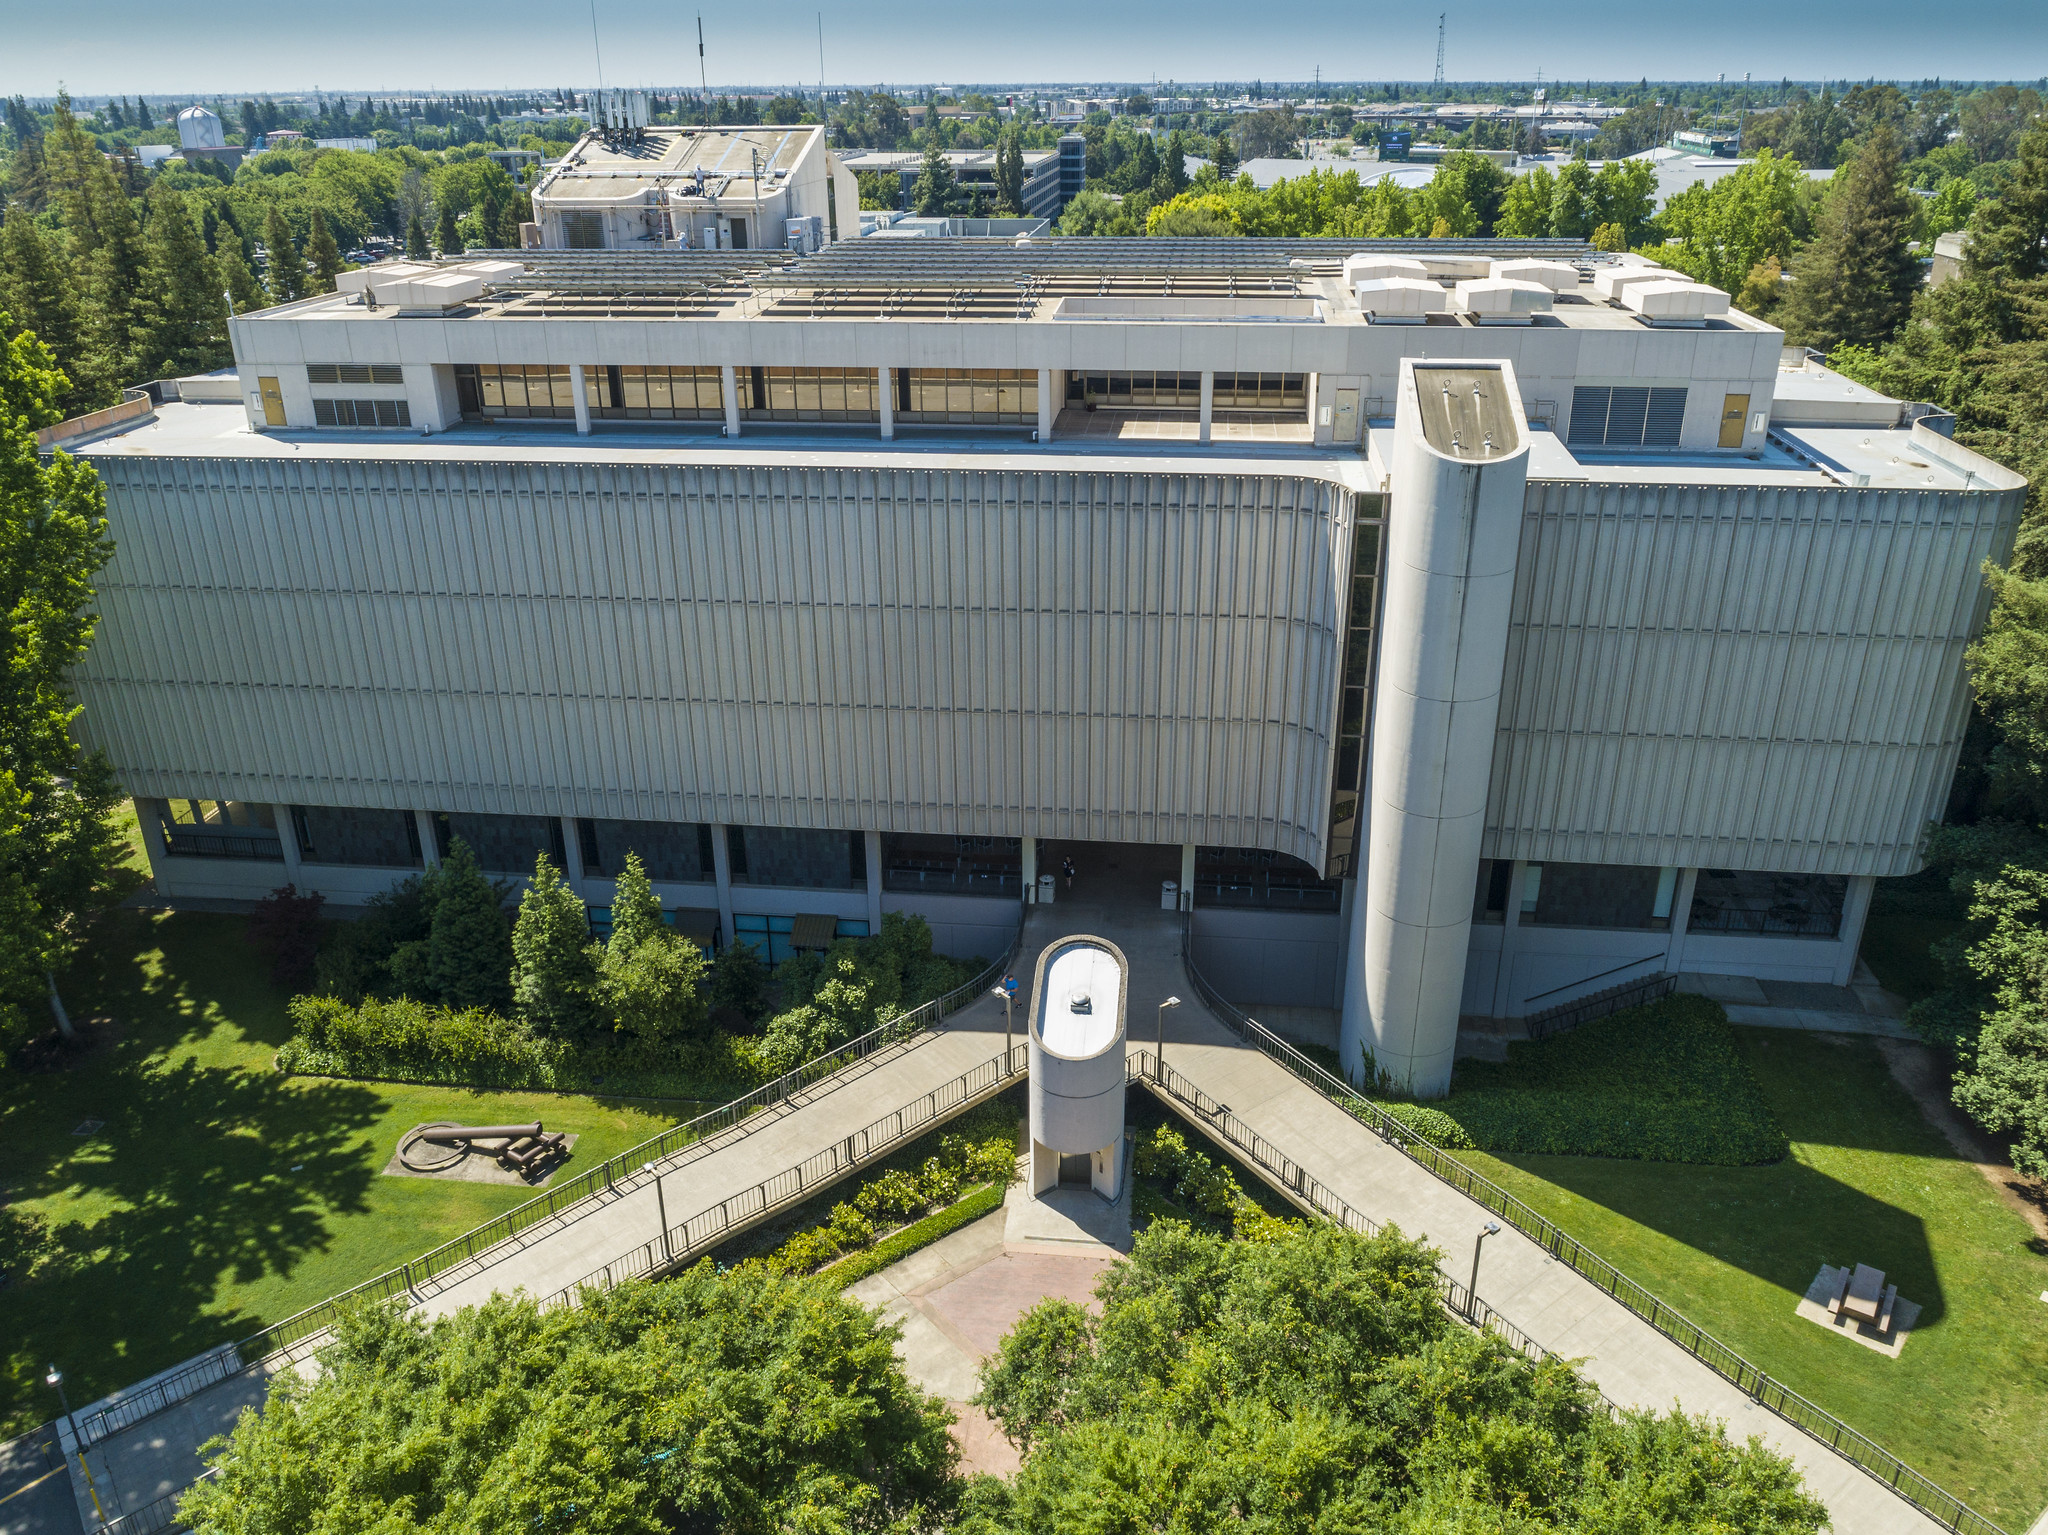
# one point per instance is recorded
(1077, 1065)
(200, 129)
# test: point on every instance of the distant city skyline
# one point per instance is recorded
(134, 48)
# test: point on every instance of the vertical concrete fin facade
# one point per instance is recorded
(1453, 527)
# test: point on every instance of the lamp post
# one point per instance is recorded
(1491, 1228)
(1161, 1044)
(56, 1378)
(1007, 992)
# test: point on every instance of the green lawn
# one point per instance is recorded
(1868, 1180)
(220, 1196)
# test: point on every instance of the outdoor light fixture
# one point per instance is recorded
(1169, 1002)
(1007, 998)
(1490, 1229)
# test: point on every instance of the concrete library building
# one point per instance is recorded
(1456, 627)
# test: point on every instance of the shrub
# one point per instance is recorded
(1433, 1125)
(286, 927)
(1202, 1186)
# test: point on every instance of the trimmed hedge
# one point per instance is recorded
(985, 1200)
(408, 1041)
(1658, 1083)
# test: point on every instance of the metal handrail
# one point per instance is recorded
(679, 1244)
(622, 1172)
(158, 1515)
(1811, 1418)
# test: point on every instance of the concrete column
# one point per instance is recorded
(1855, 908)
(721, 860)
(888, 383)
(1510, 928)
(1208, 404)
(1030, 870)
(572, 855)
(729, 384)
(1048, 407)
(152, 828)
(1681, 920)
(1187, 876)
(1459, 474)
(288, 840)
(874, 874)
(580, 398)
(430, 850)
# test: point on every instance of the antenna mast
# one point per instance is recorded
(702, 85)
(1439, 50)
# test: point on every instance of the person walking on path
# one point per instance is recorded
(1067, 868)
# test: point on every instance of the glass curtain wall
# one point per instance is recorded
(1354, 703)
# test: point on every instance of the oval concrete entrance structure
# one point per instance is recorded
(1077, 1061)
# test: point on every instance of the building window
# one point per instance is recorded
(504, 844)
(676, 852)
(654, 394)
(794, 858)
(1257, 876)
(1776, 905)
(371, 839)
(969, 396)
(774, 938)
(1626, 417)
(1354, 701)
(361, 413)
(1265, 393)
(354, 373)
(1599, 895)
(584, 231)
(700, 927)
(972, 396)
(915, 861)
(814, 394)
(1490, 898)
(213, 828)
(513, 392)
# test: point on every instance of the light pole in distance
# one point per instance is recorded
(1161, 1043)
(1490, 1229)
(56, 1378)
(1006, 992)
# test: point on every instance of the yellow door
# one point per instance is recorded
(1733, 408)
(273, 401)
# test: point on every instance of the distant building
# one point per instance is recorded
(1073, 167)
(201, 137)
(514, 161)
(974, 170)
(1949, 251)
(1718, 146)
(363, 145)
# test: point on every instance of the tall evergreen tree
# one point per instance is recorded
(554, 975)
(37, 289)
(59, 851)
(1857, 279)
(323, 254)
(286, 270)
(180, 319)
(469, 951)
(416, 247)
(104, 234)
(1009, 175)
(2011, 241)
(240, 284)
(446, 240)
(636, 909)
(935, 193)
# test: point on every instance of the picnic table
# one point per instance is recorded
(1863, 1295)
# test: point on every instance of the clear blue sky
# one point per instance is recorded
(127, 46)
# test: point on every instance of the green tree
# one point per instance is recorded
(416, 248)
(636, 909)
(2003, 1079)
(104, 235)
(1009, 173)
(2011, 241)
(746, 1401)
(180, 321)
(37, 291)
(1609, 237)
(1953, 203)
(468, 958)
(935, 193)
(1571, 201)
(59, 851)
(554, 973)
(739, 983)
(446, 240)
(1856, 281)
(1526, 210)
(323, 254)
(655, 990)
(237, 281)
(1728, 226)
(1624, 193)
(285, 267)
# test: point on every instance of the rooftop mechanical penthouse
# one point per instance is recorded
(1463, 627)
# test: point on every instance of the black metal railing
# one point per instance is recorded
(680, 1244)
(158, 1516)
(189, 842)
(622, 1174)
(1932, 1499)
(1569, 1015)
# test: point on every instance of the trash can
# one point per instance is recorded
(1046, 885)
(1169, 895)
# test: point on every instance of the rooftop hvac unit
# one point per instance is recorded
(805, 235)
(1496, 301)
(1400, 300)
(1365, 268)
(1557, 276)
(1676, 302)
(1459, 268)
(1614, 281)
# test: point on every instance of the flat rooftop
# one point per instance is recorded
(669, 157)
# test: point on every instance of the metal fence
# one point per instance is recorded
(296, 1335)
(152, 1518)
(1569, 1015)
(1939, 1504)
(681, 1244)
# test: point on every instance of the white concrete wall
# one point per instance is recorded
(963, 926)
(1274, 958)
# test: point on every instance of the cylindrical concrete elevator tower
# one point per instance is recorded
(1454, 517)
(1077, 1065)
